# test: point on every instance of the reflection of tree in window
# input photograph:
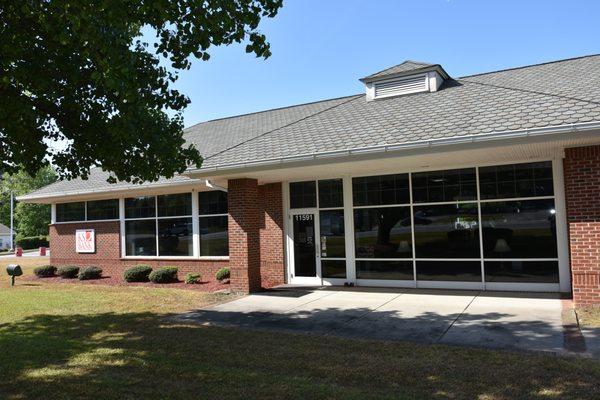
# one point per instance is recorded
(383, 232)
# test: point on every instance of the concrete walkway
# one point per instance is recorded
(517, 321)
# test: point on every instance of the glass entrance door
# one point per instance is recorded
(305, 247)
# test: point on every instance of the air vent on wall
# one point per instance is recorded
(399, 86)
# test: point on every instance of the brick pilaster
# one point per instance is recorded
(272, 265)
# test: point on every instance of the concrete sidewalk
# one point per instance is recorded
(517, 321)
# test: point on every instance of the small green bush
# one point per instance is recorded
(68, 271)
(45, 271)
(32, 242)
(222, 274)
(139, 273)
(193, 278)
(89, 273)
(163, 275)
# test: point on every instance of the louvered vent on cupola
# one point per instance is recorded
(406, 78)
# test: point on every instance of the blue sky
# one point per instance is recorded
(322, 47)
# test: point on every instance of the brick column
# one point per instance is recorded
(272, 265)
(582, 193)
(244, 237)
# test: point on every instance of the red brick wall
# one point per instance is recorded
(582, 191)
(272, 265)
(108, 252)
(244, 237)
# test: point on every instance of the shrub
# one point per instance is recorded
(163, 275)
(32, 242)
(222, 274)
(45, 271)
(138, 273)
(68, 271)
(193, 278)
(89, 273)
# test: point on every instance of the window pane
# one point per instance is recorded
(303, 194)
(518, 180)
(140, 238)
(173, 205)
(519, 229)
(214, 240)
(521, 271)
(331, 193)
(140, 207)
(70, 212)
(333, 243)
(392, 270)
(214, 202)
(383, 232)
(333, 268)
(175, 237)
(447, 231)
(450, 185)
(103, 209)
(380, 190)
(461, 271)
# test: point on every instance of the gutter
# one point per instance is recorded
(419, 144)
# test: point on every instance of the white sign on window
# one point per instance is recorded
(85, 241)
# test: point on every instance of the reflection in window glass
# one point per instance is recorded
(140, 207)
(517, 180)
(173, 205)
(460, 271)
(382, 232)
(214, 239)
(214, 202)
(140, 238)
(103, 209)
(447, 231)
(519, 229)
(66, 212)
(331, 193)
(303, 194)
(521, 271)
(389, 270)
(380, 190)
(333, 241)
(333, 268)
(448, 185)
(175, 237)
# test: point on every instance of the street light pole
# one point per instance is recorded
(12, 232)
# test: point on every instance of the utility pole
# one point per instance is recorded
(12, 231)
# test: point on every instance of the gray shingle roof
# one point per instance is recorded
(556, 93)
(406, 66)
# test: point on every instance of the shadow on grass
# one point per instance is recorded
(145, 355)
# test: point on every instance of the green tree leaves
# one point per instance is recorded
(78, 84)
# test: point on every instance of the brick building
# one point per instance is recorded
(485, 182)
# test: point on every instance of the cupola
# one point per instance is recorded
(406, 78)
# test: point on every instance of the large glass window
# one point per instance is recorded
(331, 193)
(67, 212)
(380, 190)
(303, 194)
(140, 237)
(333, 239)
(103, 209)
(461, 271)
(333, 268)
(214, 239)
(516, 180)
(147, 234)
(447, 231)
(521, 271)
(382, 232)
(389, 270)
(519, 229)
(450, 185)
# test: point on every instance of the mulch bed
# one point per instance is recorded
(208, 286)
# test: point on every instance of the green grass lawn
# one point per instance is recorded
(61, 341)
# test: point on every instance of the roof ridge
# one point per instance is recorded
(272, 109)
(356, 96)
(532, 91)
(530, 65)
